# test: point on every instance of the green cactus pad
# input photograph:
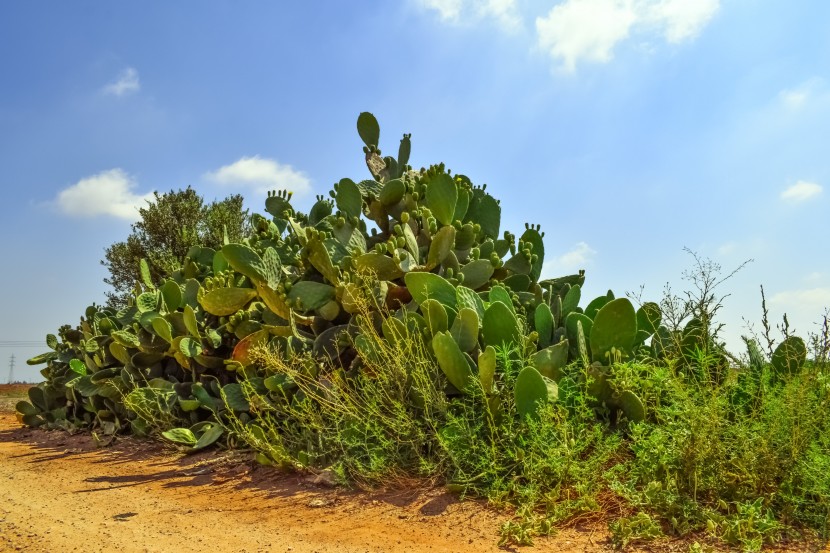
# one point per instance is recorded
(42, 358)
(392, 192)
(465, 329)
(531, 392)
(144, 270)
(551, 361)
(78, 367)
(487, 369)
(441, 246)
(615, 326)
(425, 286)
(320, 258)
(319, 211)
(182, 436)
(190, 347)
(466, 297)
(435, 316)
(188, 405)
(532, 236)
(171, 294)
(348, 198)
(119, 352)
(441, 198)
(485, 211)
(649, 317)
(411, 243)
(382, 266)
(452, 361)
(500, 326)
(163, 328)
(518, 264)
(208, 437)
(246, 261)
(632, 406)
(571, 300)
(26, 408)
(146, 302)
(368, 129)
(462, 205)
(227, 301)
(789, 356)
(477, 273)
(234, 397)
(500, 294)
(190, 321)
(310, 294)
(543, 322)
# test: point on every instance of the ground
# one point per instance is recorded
(61, 492)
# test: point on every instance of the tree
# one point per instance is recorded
(169, 226)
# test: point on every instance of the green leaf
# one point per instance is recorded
(182, 436)
(209, 437)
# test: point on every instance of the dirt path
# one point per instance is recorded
(62, 493)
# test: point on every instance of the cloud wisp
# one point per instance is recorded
(126, 83)
(801, 191)
(798, 97)
(261, 175)
(579, 31)
(109, 193)
(577, 258)
(503, 12)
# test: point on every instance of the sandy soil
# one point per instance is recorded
(63, 493)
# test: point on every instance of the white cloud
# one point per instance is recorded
(577, 31)
(578, 258)
(797, 97)
(584, 30)
(261, 175)
(448, 10)
(808, 301)
(503, 12)
(800, 191)
(107, 193)
(727, 248)
(679, 20)
(126, 83)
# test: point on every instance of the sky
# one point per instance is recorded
(631, 130)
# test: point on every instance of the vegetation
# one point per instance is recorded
(168, 227)
(429, 346)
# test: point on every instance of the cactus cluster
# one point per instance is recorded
(423, 248)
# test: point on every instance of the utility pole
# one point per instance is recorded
(11, 369)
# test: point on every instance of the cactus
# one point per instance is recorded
(452, 361)
(614, 327)
(532, 391)
(418, 253)
(789, 356)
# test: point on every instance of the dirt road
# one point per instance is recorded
(62, 493)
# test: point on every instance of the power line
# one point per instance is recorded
(11, 369)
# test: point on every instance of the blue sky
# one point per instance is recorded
(629, 129)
